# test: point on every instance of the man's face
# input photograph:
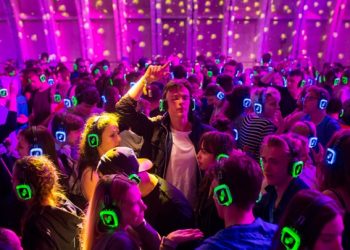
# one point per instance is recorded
(275, 165)
(229, 70)
(310, 103)
(178, 101)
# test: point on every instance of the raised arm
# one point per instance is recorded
(152, 73)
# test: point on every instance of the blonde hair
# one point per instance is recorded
(41, 174)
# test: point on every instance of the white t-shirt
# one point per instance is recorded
(181, 171)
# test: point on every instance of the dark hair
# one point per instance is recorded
(317, 210)
(217, 142)
(334, 105)
(266, 58)
(226, 82)
(212, 90)
(338, 174)
(112, 95)
(155, 89)
(132, 77)
(87, 94)
(78, 60)
(68, 121)
(243, 176)
(230, 63)
(297, 72)
(62, 70)
(235, 107)
(179, 71)
(213, 68)
(319, 91)
(41, 135)
(176, 84)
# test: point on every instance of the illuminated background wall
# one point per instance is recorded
(114, 29)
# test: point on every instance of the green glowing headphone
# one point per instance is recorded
(290, 236)
(92, 138)
(24, 190)
(222, 192)
(109, 213)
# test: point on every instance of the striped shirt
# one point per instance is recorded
(252, 133)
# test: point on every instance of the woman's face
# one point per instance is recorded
(133, 208)
(110, 139)
(205, 159)
(22, 146)
(331, 235)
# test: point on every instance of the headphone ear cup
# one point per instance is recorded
(193, 104)
(295, 168)
(110, 217)
(163, 106)
(24, 191)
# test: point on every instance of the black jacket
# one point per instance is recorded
(52, 228)
(265, 208)
(156, 133)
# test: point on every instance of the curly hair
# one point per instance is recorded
(89, 156)
(41, 174)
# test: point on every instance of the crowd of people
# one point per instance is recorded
(172, 154)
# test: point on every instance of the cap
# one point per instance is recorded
(122, 159)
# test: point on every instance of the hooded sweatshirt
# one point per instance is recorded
(53, 228)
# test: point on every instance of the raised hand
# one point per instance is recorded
(154, 73)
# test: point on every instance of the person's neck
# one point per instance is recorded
(237, 216)
(181, 124)
(317, 116)
(147, 184)
(281, 188)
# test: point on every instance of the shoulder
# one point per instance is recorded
(333, 123)
(118, 240)
(266, 227)
(122, 240)
(212, 243)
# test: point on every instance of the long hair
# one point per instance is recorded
(41, 174)
(41, 135)
(315, 209)
(116, 186)
(89, 156)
